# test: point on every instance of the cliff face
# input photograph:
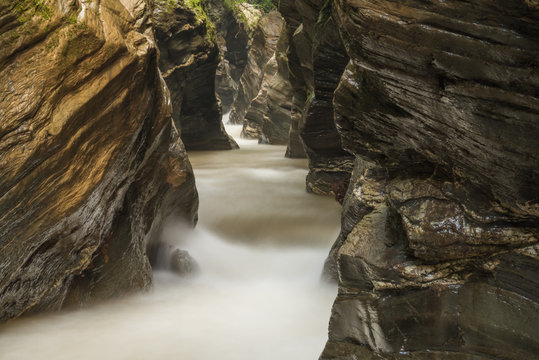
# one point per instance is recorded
(317, 59)
(261, 50)
(189, 57)
(90, 162)
(269, 114)
(438, 253)
(233, 39)
(277, 120)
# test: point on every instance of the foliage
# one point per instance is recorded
(26, 9)
(264, 5)
(199, 7)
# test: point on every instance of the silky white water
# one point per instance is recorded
(260, 244)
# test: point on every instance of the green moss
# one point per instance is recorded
(199, 7)
(26, 9)
(264, 5)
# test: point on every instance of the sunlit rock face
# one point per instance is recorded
(90, 163)
(317, 59)
(269, 114)
(262, 48)
(189, 57)
(276, 121)
(438, 254)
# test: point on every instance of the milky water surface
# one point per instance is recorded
(260, 245)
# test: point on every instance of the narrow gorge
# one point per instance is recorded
(302, 179)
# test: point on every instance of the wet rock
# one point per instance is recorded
(262, 48)
(182, 263)
(189, 57)
(402, 301)
(90, 161)
(317, 59)
(440, 226)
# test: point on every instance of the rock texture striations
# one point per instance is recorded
(262, 48)
(439, 251)
(316, 59)
(189, 57)
(233, 27)
(269, 114)
(90, 162)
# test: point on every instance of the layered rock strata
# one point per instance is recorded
(262, 48)
(269, 114)
(439, 245)
(277, 118)
(258, 108)
(233, 27)
(90, 162)
(317, 59)
(189, 57)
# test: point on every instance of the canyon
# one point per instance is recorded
(419, 117)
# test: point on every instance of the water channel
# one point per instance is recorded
(260, 244)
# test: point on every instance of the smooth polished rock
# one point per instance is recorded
(90, 162)
(262, 48)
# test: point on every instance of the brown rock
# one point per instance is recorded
(90, 162)
(262, 48)
(439, 245)
(233, 32)
(189, 57)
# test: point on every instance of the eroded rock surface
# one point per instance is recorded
(90, 162)
(254, 117)
(189, 57)
(438, 253)
(278, 116)
(262, 48)
(317, 59)
(269, 115)
(233, 26)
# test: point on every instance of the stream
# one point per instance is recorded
(260, 244)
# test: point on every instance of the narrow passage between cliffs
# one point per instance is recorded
(260, 245)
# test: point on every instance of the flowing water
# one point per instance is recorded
(260, 245)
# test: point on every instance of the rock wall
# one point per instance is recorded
(317, 59)
(438, 253)
(233, 30)
(189, 57)
(269, 115)
(258, 108)
(90, 162)
(277, 119)
(262, 48)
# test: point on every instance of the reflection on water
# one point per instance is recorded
(260, 244)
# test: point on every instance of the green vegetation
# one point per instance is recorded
(26, 9)
(199, 7)
(264, 5)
